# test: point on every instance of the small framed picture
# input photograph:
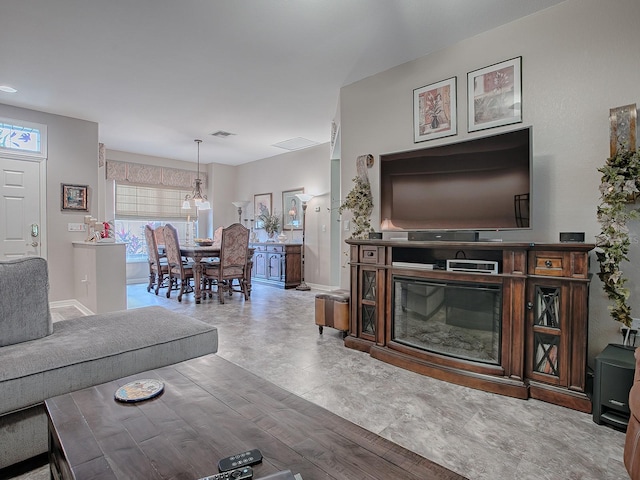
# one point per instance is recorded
(261, 206)
(434, 111)
(292, 210)
(495, 95)
(74, 198)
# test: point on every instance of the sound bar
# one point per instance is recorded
(446, 236)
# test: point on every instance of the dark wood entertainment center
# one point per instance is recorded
(544, 291)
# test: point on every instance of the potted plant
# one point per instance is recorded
(360, 202)
(271, 223)
(620, 186)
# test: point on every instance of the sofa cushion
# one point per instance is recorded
(90, 350)
(22, 320)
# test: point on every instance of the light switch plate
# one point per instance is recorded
(76, 227)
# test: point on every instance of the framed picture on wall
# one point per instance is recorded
(495, 95)
(292, 210)
(261, 206)
(74, 198)
(434, 111)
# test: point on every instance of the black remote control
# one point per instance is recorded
(239, 460)
(245, 473)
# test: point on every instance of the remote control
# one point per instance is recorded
(245, 473)
(239, 460)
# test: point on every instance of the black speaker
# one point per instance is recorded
(615, 368)
(572, 237)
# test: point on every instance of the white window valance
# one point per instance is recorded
(140, 174)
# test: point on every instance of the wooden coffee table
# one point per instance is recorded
(210, 409)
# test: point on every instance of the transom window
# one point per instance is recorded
(21, 138)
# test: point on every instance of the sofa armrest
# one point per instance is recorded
(24, 306)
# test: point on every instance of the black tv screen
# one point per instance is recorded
(478, 184)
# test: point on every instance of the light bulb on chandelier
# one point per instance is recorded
(199, 199)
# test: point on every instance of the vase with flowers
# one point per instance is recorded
(271, 223)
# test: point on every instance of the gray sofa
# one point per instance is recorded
(40, 359)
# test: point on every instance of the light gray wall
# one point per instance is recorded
(72, 157)
(225, 181)
(579, 59)
(310, 169)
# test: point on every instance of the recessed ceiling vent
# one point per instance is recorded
(297, 143)
(222, 134)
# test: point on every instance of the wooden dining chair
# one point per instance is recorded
(208, 283)
(217, 236)
(178, 269)
(234, 248)
(158, 266)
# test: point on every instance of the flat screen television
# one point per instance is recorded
(478, 184)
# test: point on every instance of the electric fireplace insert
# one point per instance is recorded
(450, 318)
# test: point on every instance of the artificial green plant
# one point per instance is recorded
(620, 186)
(360, 202)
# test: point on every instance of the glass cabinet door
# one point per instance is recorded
(368, 306)
(547, 332)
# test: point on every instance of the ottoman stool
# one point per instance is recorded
(332, 310)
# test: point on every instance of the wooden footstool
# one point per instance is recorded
(332, 310)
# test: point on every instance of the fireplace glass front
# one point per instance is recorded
(454, 319)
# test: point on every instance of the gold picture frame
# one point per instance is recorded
(261, 205)
(292, 210)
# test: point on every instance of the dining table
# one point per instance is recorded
(199, 253)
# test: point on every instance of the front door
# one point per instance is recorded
(20, 215)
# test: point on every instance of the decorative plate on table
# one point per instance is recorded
(139, 390)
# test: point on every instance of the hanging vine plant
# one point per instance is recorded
(360, 202)
(620, 186)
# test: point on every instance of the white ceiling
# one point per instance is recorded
(156, 74)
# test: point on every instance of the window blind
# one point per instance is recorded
(146, 202)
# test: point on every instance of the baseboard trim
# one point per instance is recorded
(71, 303)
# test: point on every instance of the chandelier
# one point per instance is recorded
(199, 199)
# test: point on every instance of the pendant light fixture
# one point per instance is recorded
(199, 199)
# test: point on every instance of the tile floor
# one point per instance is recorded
(477, 434)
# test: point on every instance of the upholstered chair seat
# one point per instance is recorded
(158, 265)
(179, 270)
(232, 264)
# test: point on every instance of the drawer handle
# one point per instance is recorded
(617, 403)
(548, 263)
(369, 254)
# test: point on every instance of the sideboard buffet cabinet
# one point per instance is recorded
(277, 264)
(508, 318)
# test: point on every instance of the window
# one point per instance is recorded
(25, 138)
(137, 206)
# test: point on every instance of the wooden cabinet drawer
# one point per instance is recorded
(271, 248)
(548, 263)
(369, 254)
